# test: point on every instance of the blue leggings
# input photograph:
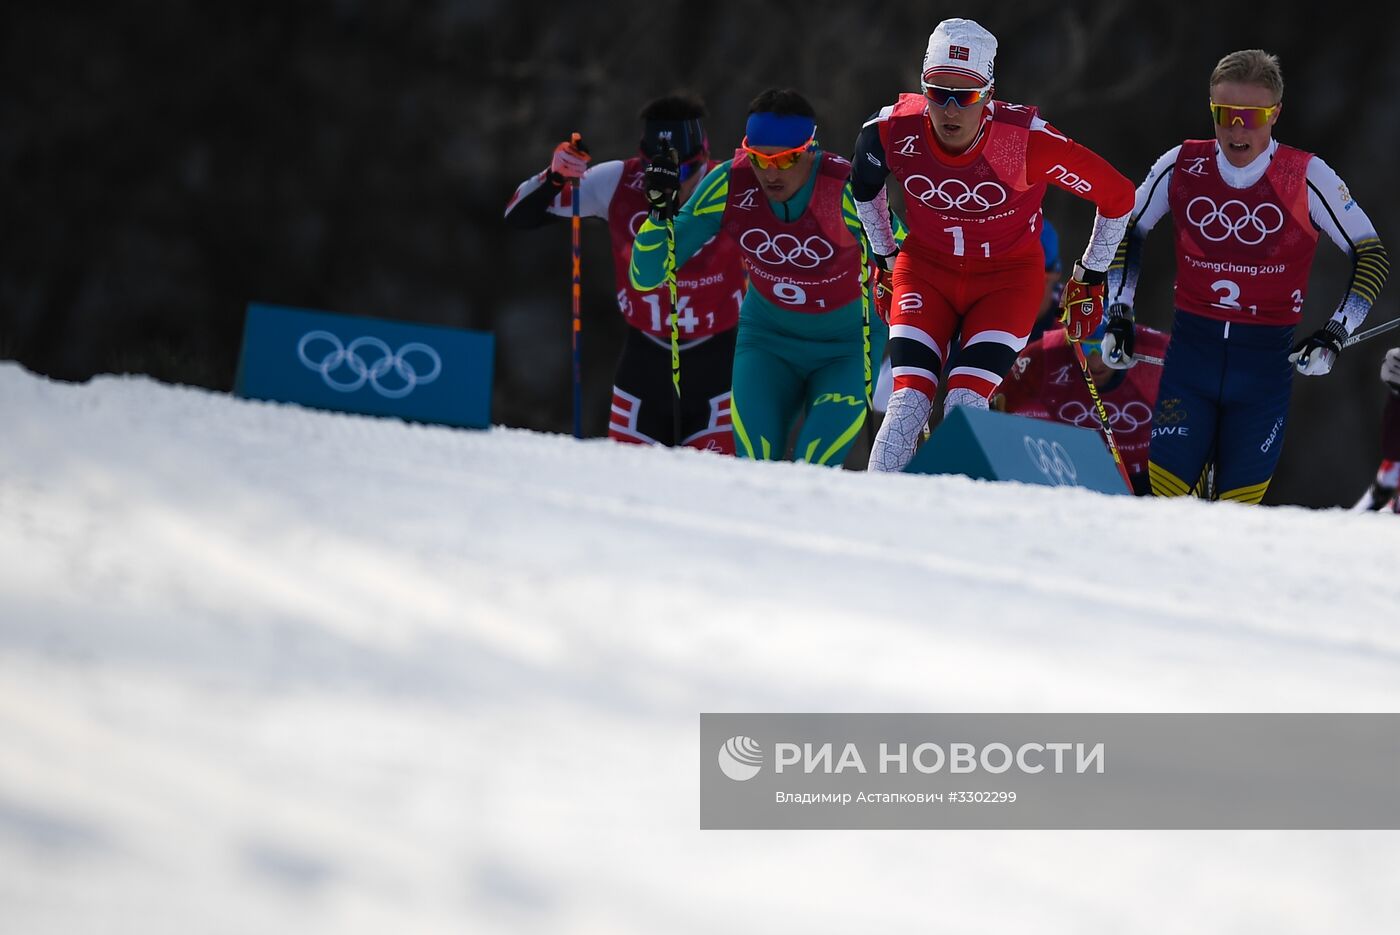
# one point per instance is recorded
(789, 366)
(1223, 398)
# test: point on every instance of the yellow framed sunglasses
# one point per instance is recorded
(1251, 118)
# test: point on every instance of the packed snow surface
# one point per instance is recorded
(264, 669)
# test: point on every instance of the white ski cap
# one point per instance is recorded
(960, 47)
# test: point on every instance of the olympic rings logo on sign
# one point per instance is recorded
(1235, 219)
(1128, 417)
(362, 372)
(785, 248)
(954, 194)
(1051, 459)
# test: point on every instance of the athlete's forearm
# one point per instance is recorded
(542, 196)
(1104, 238)
(1150, 205)
(529, 206)
(875, 221)
(1127, 264)
(699, 220)
(1370, 266)
(868, 169)
(1335, 212)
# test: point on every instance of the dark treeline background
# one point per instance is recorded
(165, 163)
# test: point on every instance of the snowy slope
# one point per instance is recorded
(270, 670)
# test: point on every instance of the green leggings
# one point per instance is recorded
(789, 365)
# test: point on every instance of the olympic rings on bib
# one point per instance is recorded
(786, 248)
(955, 194)
(1235, 219)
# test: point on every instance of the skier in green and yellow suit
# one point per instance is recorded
(801, 349)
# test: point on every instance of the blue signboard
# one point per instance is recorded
(997, 446)
(424, 373)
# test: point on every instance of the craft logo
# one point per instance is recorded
(1273, 436)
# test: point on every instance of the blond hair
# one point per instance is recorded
(1250, 66)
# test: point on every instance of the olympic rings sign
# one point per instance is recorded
(785, 248)
(1235, 219)
(1128, 417)
(1051, 459)
(361, 371)
(955, 194)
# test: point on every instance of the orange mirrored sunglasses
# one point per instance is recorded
(783, 160)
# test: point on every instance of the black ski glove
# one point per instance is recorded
(662, 182)
(1118, 338)
(1315, 355)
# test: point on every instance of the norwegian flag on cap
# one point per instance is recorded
(962, 48)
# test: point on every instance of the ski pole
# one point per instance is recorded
(1354, 339)
(1371, 332)
(867, 298)
(1103, 413)
(675, 332)
(577, 333)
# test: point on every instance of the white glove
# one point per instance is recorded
(1390, 369)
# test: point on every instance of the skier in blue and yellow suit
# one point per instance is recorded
(801, 344)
